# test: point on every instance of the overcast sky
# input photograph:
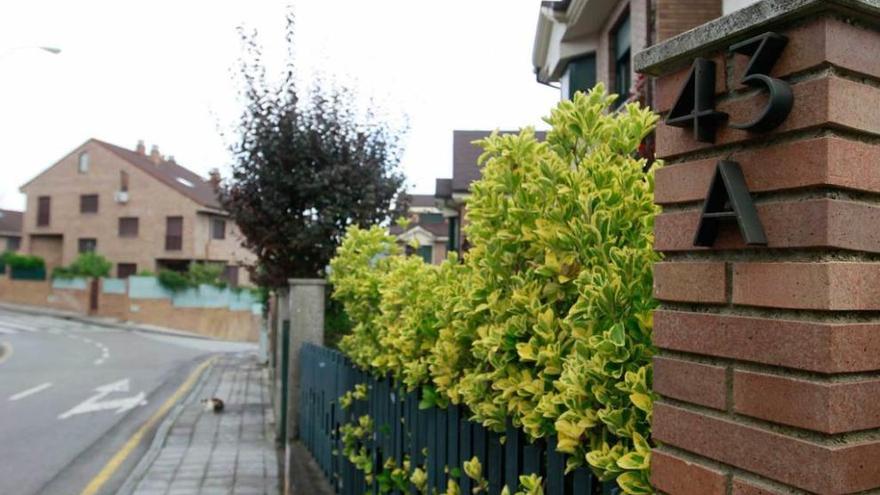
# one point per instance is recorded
(163, 71)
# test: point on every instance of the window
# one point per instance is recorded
(427, 253)
(128, 226)
(13, 243)
(218, 228)
(125, 270)
(123, 181)
(428, 218)
(88, 245)
(88, 203)
(580, 75)
(44, 205)
(622, 66)
(83, 162)
(174, 233)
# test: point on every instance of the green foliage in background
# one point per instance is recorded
(86, 265)
(197, 274)
(173, 281)
(22, 261)
(205, 274)
(547, 322)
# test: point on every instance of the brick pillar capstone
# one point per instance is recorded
(769, 364)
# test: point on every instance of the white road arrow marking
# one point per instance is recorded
(95, 403)
(30, 391)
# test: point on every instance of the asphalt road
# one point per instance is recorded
(71, 394)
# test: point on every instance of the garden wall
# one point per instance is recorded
(208, 311)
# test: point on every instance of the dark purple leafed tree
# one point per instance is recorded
(306, 166)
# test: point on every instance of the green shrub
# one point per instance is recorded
(173, 281)
(205, 274)
(547, 323)
(23, 261)
(62, 272)
(88, 265)
(146, 273)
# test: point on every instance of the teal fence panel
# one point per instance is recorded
(147, 288)
(29, 273)
(436, 440)
(113, 286)
(77, 283)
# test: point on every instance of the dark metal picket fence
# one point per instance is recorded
(401, 428)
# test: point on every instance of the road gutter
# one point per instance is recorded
(119, 458)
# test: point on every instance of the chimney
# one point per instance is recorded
(141, 149)
(155, 157)
(214, 178)
(170, 159)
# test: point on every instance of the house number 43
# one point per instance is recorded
(728, 197)
(695, 106)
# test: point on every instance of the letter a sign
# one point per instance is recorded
(729, 199)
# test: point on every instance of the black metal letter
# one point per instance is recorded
(729, 199)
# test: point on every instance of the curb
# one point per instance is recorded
(143, 466)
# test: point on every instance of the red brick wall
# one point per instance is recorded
(769, 368)
(674, 17)
(220, 323)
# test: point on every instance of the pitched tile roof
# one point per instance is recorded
(465, 155)
(171, 174)
(10, 221)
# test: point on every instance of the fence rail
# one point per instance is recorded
(402, 429)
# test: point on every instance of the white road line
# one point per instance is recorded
(18, 326)
(30, 391)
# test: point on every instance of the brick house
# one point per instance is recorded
(451, 194)
(428, 227)
(10, 230)
(581, 42)
(141, 211)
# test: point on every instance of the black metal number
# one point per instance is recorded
(695, 105)
(764, 50)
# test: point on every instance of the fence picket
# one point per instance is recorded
(402, 429)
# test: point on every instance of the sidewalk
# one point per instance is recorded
(200, 452)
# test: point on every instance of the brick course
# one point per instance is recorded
(825, 407)
(698, 383)
(673, 474)
(822, 347)
(809, 163)
(833, 101)
(832, 469)
(690, 282)
(823, 286)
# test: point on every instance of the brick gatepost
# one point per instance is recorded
(769, 364)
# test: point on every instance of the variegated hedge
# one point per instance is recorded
(547, 319)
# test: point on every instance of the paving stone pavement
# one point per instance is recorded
(233, 452)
